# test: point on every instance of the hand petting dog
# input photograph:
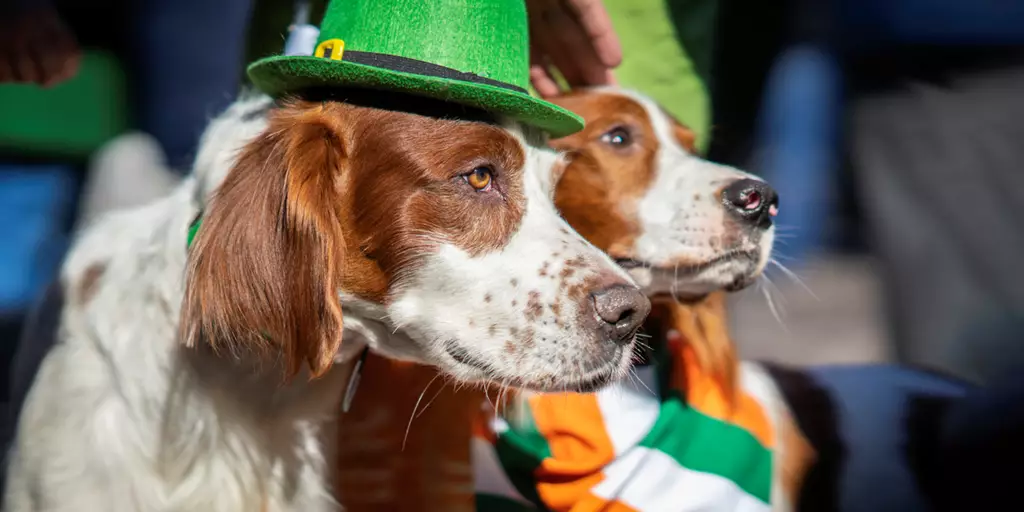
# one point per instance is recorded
(577, 38)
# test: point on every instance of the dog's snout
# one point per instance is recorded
(620, 310)
(754, 201)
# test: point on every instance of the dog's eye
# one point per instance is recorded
(618, 137)
(480, 178)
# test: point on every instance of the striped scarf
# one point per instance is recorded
(665, 440)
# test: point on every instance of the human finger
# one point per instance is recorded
(543, 82)
(593, 18)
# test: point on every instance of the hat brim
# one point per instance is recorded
(281, 74)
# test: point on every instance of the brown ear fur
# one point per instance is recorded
(685, 136)
(704, 327)
(264, 270)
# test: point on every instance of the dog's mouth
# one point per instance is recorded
(588, 383)
(731, 271)
(691, 269)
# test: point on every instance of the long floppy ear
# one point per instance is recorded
(704, 327)
(265, 268)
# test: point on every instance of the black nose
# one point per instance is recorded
(754, 201)
(621, 308)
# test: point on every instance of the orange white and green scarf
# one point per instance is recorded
(664, 441)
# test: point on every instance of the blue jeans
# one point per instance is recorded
(188, 61)
(877, 430)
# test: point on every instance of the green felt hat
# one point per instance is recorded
(471, 52)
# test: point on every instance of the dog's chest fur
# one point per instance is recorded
(120, 380)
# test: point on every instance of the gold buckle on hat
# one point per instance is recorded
(334, 48)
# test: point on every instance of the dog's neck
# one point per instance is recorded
(657, 327)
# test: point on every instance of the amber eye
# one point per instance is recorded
(618, 137)
(480, 178)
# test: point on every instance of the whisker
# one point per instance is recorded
(501, 399)
(792, 275)
(632, 372)
(771, 305)
(413, 416)
(675, 282)
(439, 390)
(777, 293)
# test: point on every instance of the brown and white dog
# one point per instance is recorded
(433, 237)
(686, 229)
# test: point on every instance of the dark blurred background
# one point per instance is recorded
(892, 129)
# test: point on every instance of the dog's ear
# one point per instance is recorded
(685, 136)
(265, 267)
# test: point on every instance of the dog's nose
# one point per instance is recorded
(754, 201)
(621, 309)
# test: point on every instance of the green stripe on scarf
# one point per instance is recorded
(702, 443)
(521, 452)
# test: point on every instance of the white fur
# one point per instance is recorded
(513, 292)
(681, 215)
(122, 417)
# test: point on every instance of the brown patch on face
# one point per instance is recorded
(334, 197)
(604, 179)
(90, 278)
(487, 297)
(533, 307)
(576, 263)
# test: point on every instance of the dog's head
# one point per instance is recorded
(443, 228)
(635, 188)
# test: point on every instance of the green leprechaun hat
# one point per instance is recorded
(471, 52)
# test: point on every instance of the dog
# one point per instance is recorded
(687, 230)
(202, 374)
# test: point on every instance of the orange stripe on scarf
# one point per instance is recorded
(580, 447)
(707, 396)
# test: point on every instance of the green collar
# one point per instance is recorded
(193, 228)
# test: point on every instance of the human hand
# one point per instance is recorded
(574, 36)
(37, 47)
